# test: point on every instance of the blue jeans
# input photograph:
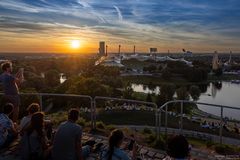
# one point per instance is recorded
(86, 150)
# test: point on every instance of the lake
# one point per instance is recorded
(222, 93)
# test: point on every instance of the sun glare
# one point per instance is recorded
(75, 44)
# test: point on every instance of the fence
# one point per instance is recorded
(164, 108)
(158, 111)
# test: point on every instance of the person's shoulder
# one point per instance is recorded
(77, 126)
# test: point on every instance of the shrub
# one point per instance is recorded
(225, 149)
(151, 138)
(159, 144)
(110, 127)
(81, 122)
(147, 131)
(100, 125)
(209, 144)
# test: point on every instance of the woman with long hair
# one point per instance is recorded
(114, 152)
(34, 141)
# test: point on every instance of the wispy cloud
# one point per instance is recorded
(149, 22)
(120, 17)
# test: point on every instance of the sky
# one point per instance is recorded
(51, 25)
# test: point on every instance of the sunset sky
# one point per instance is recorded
(52, 25)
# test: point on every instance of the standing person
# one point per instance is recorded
(67, 144)
(34, 144)
(8, 131)
(10, 87)
(114, 152)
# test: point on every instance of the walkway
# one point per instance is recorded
(189, 133)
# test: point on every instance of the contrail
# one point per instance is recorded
(120, 17)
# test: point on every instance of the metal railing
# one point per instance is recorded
(130, 101)
(157, 110)
(166, 105)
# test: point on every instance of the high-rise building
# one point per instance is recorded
(215, 61)
(102, 48)
(106, 50)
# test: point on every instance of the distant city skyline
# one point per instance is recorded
(53, 25)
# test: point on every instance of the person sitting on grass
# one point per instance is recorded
(67, 143)
(26, 120)
(34, 145)
(178, 148)
(8, 129)
(114, 152)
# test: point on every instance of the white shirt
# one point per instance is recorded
(25, 121)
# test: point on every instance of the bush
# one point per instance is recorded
(151, 138)
(100, 125)
(147, 131)
(110, 127)
(225, 149)
(81, 122)
(209, 144)
(195, 92)
(159, 144)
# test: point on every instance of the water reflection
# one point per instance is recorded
(63, 78)
(222, 93)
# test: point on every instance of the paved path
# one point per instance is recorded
(189, 133)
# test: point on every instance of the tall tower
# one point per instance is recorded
(119, 49)
(215, 62)
(230, 58)
(102, 48)
(134, 49)
(106, 50)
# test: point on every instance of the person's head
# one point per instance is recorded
(33, 108)
(115, 140)
(6, 67)
(178, 147)
(37, 123)
(73, 114)
(8, 108)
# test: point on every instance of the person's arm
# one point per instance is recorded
(134, 151)
(13, 128)
(18, 76)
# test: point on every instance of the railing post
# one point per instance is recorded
(166, 120)
(156, 121)
(92, 110)
(221, 126)
(159, 124)
(41, 101)
(94, 113)
(181, 125)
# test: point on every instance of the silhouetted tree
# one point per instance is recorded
(195, 92)
(149, 98)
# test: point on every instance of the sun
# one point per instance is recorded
(75, 44)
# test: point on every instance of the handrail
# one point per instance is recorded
(195, 102)
(187, 101)
(129, 100)
(158, 110)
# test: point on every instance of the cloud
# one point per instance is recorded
(141, 21)
(120, 17)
